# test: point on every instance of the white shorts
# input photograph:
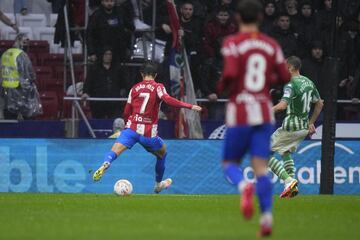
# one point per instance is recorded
(283, 141)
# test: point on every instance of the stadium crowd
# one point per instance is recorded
(302, 27)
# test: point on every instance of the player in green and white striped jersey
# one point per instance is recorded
(298, 96)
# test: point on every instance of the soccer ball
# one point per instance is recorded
(123, 187)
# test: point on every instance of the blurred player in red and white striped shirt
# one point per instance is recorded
(141, 117)
(252, 62)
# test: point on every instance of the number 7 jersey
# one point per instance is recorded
(143, 105)
(252, 62)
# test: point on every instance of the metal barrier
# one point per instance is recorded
(222, 100)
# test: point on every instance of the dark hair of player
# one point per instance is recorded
(295, 62)
(250, 11)
(149, 68)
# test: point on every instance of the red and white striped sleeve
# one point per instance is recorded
(163, 95)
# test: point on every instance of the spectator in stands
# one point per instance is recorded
(56, 5)
(129, 10)
(8, 22)
(139, 24)
(230, 4)
(214, 33)
(118, 126)
(355, 95)
(285, 36)
(280, 5)
(108, 26)
(349, 8)
(17, 79)
(191, 31)
(200, 9)
(313, 66)
(21, 6)
(353, 111)
(105, 80)
(306, 28)
(291, 7)
(270, 12)
(76, 14)
(346, 50)
(325, 17)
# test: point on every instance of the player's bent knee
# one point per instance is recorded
(161, 152)
(118, 148)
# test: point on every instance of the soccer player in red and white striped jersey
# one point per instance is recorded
(143, 105)
(252, 62)
(141, 116)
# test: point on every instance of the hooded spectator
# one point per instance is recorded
(306, 28)
(270, 14)
(313, 66)
(105, 80)
(285, 36)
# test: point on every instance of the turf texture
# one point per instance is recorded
(90, 216)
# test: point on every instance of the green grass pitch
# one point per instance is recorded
(90, 216)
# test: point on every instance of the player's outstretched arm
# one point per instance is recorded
(176, 103)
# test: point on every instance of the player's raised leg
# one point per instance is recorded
(116, 150)
(125, 141)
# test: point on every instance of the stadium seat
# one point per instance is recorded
(33, 58)
(7, 33)
(31, 20)
(78, 71)
(39, 47)
(76, 49)
(50, 84)
(50, 104)
(43, 73)
(49, 59)
(78, 57)
(55, 48)
(44, 33)
(5, 44)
